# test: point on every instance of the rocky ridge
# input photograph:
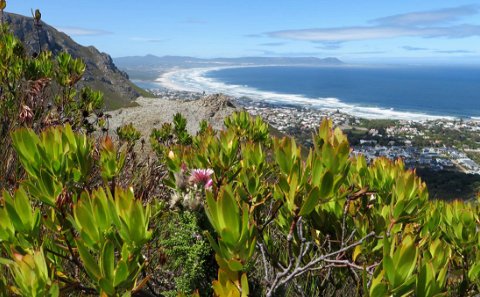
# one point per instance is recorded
(153, 112)
(101, 73)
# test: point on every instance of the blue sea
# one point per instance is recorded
(403, 92)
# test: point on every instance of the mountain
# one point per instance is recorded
(144, 67)
(149, 67)
(155, 61)
(101, 73)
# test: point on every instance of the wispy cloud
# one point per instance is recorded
(368, 53)
(454, 52)
(78, 31)
(254, 35)
(329, 46)
(377, 32)
(145, 39)
(270, 53)
(423, 18)
(414, 48)
(192, 20)
(428, 24)
(272, 44)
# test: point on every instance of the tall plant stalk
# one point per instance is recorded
(3, 4)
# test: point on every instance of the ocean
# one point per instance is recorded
(401, 92)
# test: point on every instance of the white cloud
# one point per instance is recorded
(414, 48)
(428, 17)
(455, 52)
(375, 32)
(272, 44)
(417, 24)
(77, 31)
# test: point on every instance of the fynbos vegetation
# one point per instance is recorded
(230, 213)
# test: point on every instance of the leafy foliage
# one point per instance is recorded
(188, 253)
(99, 232)
(279, 220)
(328, 216)
(38, 92)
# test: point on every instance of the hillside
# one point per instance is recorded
(101, 73)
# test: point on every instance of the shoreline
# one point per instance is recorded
(194, 80)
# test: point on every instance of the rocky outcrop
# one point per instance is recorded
(216, 103)
(152, 113)
(101, 73)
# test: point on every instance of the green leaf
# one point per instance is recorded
(398, 209)
(406, 258)
(474, 271)
(389, 268)
(106, 287)
(309, 204)
(244, 283)
(229, 215)
(89, 262)
(54, 291)
(387, 262)
(4, 261)
(424, 280)
(235, 265)
(107, 260)
(121, 273)
(356, 252)
(378, 288)
(327, 184)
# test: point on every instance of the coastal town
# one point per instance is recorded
(438, 157)
(416, 142)
(401, 139)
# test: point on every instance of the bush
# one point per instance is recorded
(55, 229)
(328, 216)
(187, 252)
(279, 221)
(39, 92)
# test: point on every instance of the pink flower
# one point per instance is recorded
(201, 177)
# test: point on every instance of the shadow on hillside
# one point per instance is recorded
(450, 185)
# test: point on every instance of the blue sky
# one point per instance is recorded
(356, 31)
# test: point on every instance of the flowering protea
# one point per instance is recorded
(26, 114)
(201, 177)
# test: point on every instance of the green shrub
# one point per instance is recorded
(60, 236)
(328, 216)
(187, 252)
(38, 92)
(278, 221)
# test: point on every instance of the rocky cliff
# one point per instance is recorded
(101, 73)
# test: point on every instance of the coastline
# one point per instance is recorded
(194, 80)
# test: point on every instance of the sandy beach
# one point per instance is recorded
(196, 80)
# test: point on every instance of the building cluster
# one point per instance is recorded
(283, 118)
(174, 94)
(410, 129)
(432, 157)
(436, 158)
(292, 118)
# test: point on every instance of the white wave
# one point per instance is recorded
(194, 80)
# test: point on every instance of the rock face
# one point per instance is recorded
(101, 73)
(152, 113)
(216, 103)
